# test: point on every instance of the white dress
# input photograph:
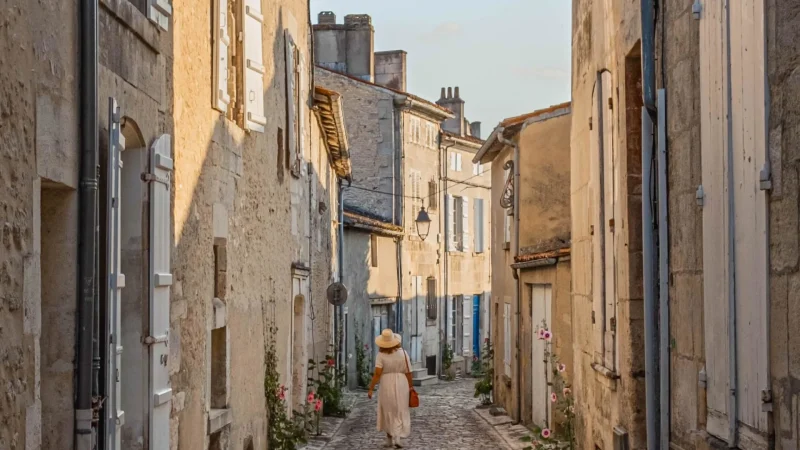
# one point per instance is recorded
(394, 417)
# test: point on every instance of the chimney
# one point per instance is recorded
(475, 129)
(390, 69)
(360, 46)
(456, 105)
(345, 48)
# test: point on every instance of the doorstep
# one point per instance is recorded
(503, 425)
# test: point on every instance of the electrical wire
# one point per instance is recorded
(437, 192)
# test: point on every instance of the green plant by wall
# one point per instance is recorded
(328, 381)
(283, 432)
(447, 362)
(363, 362)
(485, 386)
(562, 398)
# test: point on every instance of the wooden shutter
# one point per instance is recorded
(116, 279)
(254, 66)
(301, 112)
(159, 11)
(161, 167)
(452, 161)
(507, 338)
(465, 223)
(479, 233)
(221, 98)
(458, 162)
(596, 211)
(432, 307)
(291, 102)
(466, 341)
(609, 206)
(451, 223)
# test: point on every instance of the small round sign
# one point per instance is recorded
(337, 294)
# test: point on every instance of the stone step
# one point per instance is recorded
(420, 372)
(426, 380)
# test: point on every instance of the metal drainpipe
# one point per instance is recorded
(87, 281)
(733, 380)
(515, 272)
(663, 272)
(446, 279)
(648, 239)
(337, 312)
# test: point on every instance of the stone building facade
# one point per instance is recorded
(530, 258)
(396, 138)
(215, 210)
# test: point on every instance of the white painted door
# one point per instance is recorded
(541, 297)
(417, 320)
(116, 279)
(161, 168)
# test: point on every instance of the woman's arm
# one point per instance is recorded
(376, 378)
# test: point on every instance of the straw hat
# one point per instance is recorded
(388, 339)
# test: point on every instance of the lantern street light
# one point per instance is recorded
(423, 223)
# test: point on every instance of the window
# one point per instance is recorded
(240, 97)
(478, 229)
(433, 196)
(507, 338)
(477, 168)
(415, 131)
(455, 161)
(603, 197)
(430, 135)
(431, 306)
(373, 249)
(417, 197)
(159, 12)
(457, 223)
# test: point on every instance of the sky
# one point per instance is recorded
(509, 57)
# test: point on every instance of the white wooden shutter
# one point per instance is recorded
(301, 112)
(116, 279)
(159, 11)
(596, 210)
(222, 43)
(507, 338)
(254, 66)
(160, 284)
(451, 227)
(506, 227)
(466, 341)
(609, 203)
(458, 162)
(479, 233)
(291, 99)
(465, 223)
(450, 318)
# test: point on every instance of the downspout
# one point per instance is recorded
(338, 309)
(400, 151)
(663, 272)
(648, 239)
(733, 383)
(87, 238)
(443, 161)
(515, 272)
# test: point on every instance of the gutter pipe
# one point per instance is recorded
(663, 272)
(648, 239)
(87, 237)
(443, 168)
(515, 272)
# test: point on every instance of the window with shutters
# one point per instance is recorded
(455, 161)
(458, 221)
(603, 192)
(431, 304)
(294, 112)
(477, 168)
(478, 229)
(417, 197)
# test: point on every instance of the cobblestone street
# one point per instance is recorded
(446, 419)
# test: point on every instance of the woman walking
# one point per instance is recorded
(392, 371)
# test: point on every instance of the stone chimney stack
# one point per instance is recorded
(390, 69)
(475, 129)
(455, 104)
(347, 48)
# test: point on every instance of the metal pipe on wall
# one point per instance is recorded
(87, 238)
(663, 272)
(443, 331)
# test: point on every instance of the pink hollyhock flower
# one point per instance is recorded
(541, 333)
(562, 367)
(310, 397)
(366, 347)
(553, 397)
(318, 405)
(546, 433)
(331, 363)
(567, 391)
(282, 395)
(486, 340)
(547, 335)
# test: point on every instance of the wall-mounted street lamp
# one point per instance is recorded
(423, 223)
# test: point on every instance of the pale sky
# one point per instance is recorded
(509, 57)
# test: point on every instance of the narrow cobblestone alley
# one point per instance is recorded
(446, 419)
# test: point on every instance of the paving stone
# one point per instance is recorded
(446, 419)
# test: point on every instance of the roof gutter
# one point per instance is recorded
(490, 141)
(411, 103)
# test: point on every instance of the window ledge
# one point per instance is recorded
(136, 21)
(218, 419)
(606, 376)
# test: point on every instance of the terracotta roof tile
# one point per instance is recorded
(519, 119)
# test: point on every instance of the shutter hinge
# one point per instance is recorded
(590, 123)
(593, 321)
(700, 196)
(611, 225)
(153, 178)
(613, 322)
(702, 379)
(766, 400)
(697, 8)
(765, 179)
(610, 103)
(151, 340)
